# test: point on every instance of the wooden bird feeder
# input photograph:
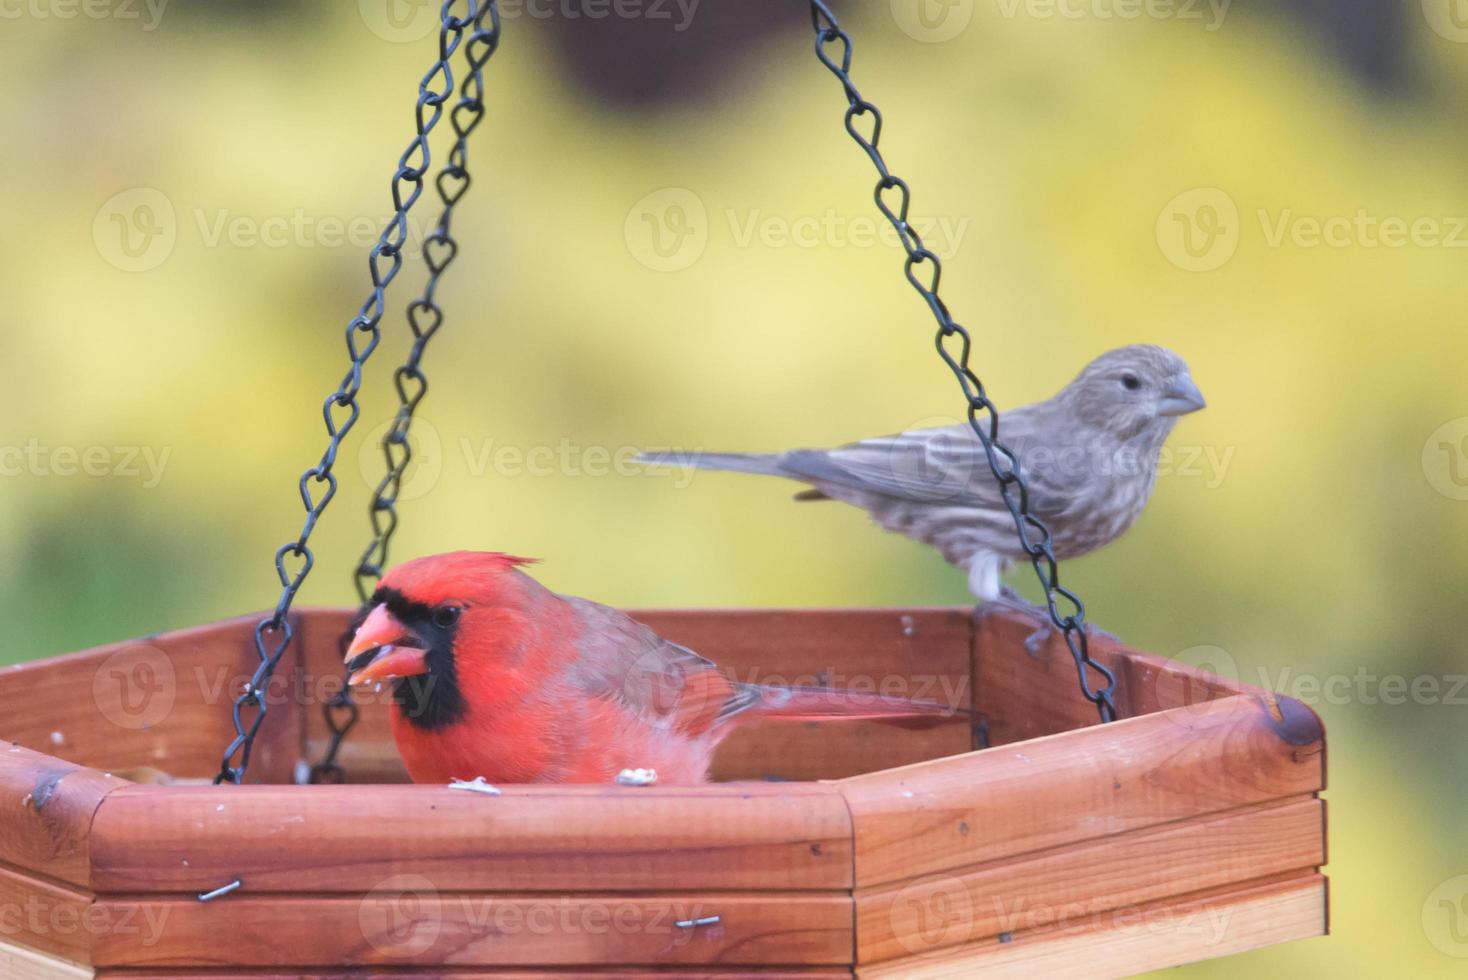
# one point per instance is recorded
(1026, 841)
(1190, 829)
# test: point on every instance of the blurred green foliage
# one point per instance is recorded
(1326, 545)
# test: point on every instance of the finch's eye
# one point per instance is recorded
(446, 616)
(1131, 382)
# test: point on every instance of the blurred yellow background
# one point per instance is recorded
(191, 194)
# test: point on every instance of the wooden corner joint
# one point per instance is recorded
(1295, 722)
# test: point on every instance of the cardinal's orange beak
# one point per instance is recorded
(384, 649)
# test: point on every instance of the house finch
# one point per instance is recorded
(496, 676)
(1089, 454)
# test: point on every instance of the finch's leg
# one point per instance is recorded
(984, 582)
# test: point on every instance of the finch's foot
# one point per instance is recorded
(1037, 641)
(1014, 602)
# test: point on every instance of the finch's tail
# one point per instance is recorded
(826, 704)
(764, 464)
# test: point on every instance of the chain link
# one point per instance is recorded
(924, 270)
(341, 410)
(425, 317)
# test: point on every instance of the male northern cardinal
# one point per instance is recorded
(496, 676)
(1090, 455)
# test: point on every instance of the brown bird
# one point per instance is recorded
(1090, 455)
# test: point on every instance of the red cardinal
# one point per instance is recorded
(496, 676)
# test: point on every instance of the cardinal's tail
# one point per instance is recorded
(829, 704)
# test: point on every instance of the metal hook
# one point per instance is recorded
(708, 920)
(235, 885)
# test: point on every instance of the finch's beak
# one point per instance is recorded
(384, 649)
(1182, 397)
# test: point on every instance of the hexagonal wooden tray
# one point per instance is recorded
(1190, 829)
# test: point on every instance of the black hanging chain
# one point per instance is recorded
(341, 410)
(424, 317)
(924, 270)
(424, 314)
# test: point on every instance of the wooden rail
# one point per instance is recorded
(1192, 828)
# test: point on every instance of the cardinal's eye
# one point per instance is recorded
(446, 616)
(1131, 382)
